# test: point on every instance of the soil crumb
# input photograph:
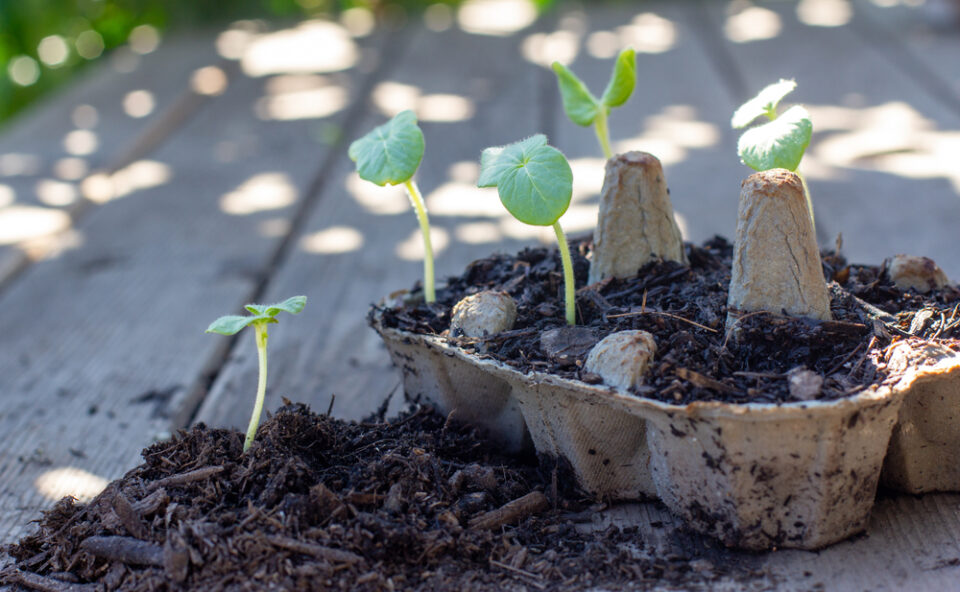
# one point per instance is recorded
(685, 308)
(419, 503)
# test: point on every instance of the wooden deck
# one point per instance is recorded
(122, 237)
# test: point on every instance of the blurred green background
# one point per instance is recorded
(44, 42)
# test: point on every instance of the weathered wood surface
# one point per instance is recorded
(102, 348)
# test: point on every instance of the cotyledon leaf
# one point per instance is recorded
(779, 143)
(390, 153)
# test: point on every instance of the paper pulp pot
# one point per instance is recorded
(924, 453)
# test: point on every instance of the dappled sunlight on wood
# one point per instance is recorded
(546, 48)
(647, 32)
(499, 18)
(312, 46)
(464, 199)
(260, 193)
(333, 240)
(411, 248)
(393, 97)
(359, 21)
(301, 96)
(478, 233)
(71, 168)
(58, 483)
(80, 142)
(670, 134)
(824, 13)
(137, 176)
(753, 23)
(7, 195)
(22, 223)
(893, 137)
(139, 103)
(385, 201)
(56, 193)
(209, 80)
(14, 164)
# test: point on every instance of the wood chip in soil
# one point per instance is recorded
(418, 503)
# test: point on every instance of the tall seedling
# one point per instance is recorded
(535, 184)
(782, 140)
(584, 109)
(390, 155)
(260, 316)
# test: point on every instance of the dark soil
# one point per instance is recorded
(319, 504)
(685, 309)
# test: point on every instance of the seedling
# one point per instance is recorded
(261, 316)
(390, 155)
(535, 184)
(781, 141)
(585, 109)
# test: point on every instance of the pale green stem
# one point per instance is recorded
(603, 133)
(261, 334)
(429, 292)
(806, 194)
(568, 286)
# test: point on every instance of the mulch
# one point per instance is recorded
(419, 503)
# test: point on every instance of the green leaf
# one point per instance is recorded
(581, 106)
(292, 305)
(765, 103)
(623, 79)
(492, 167)
(391, 153)
(779, 143)
(535, 182)
(255, 309)
(230, 325)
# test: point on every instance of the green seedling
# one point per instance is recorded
(260, 316)
(584, 109)
(782, 140)
(390, 155)
(535, 184)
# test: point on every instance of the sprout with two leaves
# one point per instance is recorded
(390, 155)
(260, 316)
(535, 184)
(781, 141)
(584, 109)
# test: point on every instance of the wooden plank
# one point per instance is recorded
(876, 166)
(48, 151)
(910, 543)
(107, 339)
(680, 110)
(492, 98)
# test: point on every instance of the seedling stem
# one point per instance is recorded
(603, 132)
(429, 290)
(261, 334)
(568, 286)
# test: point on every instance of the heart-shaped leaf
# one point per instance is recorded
(534, 180)
(765, 103)
(623, 79)
(779, 143)
(581, 106)
(491, 165)
(391, 153)
(230, 324)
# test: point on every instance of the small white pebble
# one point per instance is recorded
(622, 358)
(805, 384)
(483, 314)
(920, 273)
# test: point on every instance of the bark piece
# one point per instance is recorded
(126, 550)
(532, 503)
(776, 262)
(636, 221)
(622, 358)
(920, 273)
(482, 314)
